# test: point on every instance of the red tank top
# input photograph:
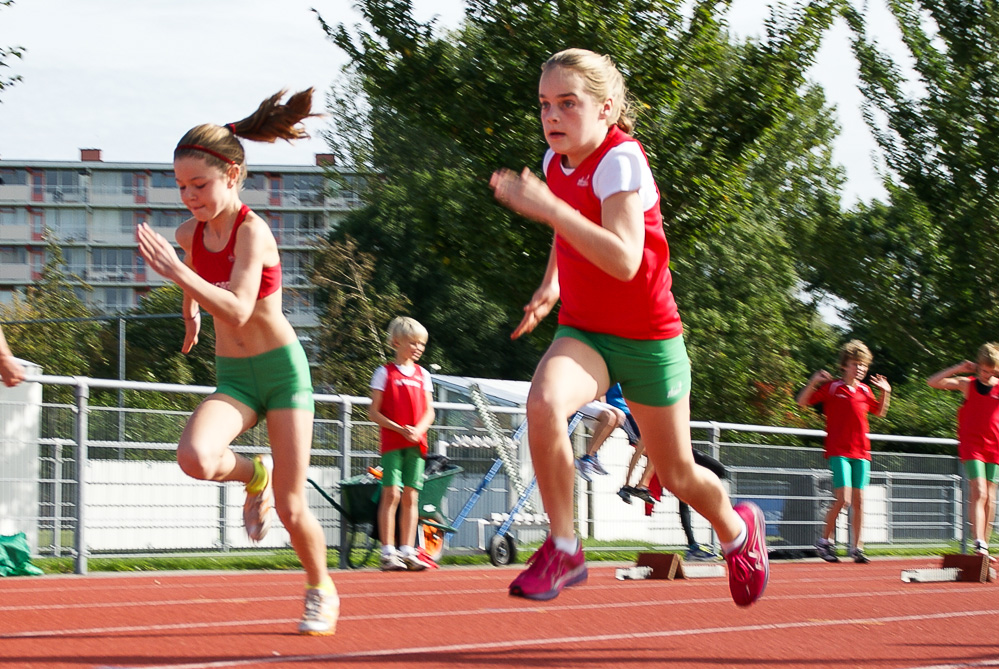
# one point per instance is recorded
(404, 400)
(594, 301)
(216, 267)
(978, 425)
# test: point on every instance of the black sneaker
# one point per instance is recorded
(644, 495)
(625, 493)
(859, 557)
(827, 551)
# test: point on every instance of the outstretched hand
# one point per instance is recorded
(158, 253)
(879, 381)
(541, 304)
(524, 193)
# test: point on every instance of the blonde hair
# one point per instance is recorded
(405, 328)
(988, 354)
(855, 350)
(219, 145)
(601, 79)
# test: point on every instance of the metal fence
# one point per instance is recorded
(84, 477)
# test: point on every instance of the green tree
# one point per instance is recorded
(6, 54)
(433, 116)
(68, 348)
(354, 317)
(921, 271)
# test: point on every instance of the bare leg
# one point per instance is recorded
(609, 421)
(569, 375)
(386, 514)
(635, 457)
(410, 511)
(858, 517)
(977, 508)
(990, 509)
(842, 499)
(666, 435)
(290, 432)
(204, 452)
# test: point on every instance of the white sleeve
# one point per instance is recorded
(428, 381)
(379, 378)
(625, 169)
(549, 154)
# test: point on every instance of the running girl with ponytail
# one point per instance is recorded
(231, 268)
(618, 322)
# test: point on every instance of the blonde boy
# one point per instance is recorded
(401, 404)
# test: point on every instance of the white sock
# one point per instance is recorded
(729, 547)
(406, 551)
(565, 545)
(388, 549)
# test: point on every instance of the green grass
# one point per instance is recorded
(285, 559)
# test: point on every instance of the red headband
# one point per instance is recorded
(198, 147)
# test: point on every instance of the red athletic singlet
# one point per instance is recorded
(216, 268)
(594, 301)
(404, 400)
(978, 425)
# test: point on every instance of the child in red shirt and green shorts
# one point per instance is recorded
(846, 402)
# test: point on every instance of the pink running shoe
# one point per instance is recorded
(548, 571)
(749, 566)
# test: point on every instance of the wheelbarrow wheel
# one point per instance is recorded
(360, 544)
(502, 550)
(431, 539)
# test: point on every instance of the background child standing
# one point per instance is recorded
(977, 434)
(401, 404)
(846, 402)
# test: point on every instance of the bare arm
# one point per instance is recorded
(615, 246)
(817, 379)
(543, 300)
(950, 378)
(880, 382)
(11, 371)
(234, 305)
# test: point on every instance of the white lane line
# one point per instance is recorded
(515, 610)
(574, 640)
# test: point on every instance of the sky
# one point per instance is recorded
(130, 78)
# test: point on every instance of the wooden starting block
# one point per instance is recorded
(670, 566)
(972, 568)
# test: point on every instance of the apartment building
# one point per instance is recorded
(91, 208)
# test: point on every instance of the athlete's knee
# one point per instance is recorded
(291, 509)
(195, 463)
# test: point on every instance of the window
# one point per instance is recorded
(13, 255)
(116, 299)
(163, 180)
(13, 177)
(10, 216)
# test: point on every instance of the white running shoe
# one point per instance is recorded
(322, 609)
(258, 507)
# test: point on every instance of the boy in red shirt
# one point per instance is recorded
(978, 434)
(401, 403)
(846, 402)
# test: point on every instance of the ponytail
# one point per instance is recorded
(219, 145)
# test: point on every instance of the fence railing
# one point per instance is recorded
(86, 477)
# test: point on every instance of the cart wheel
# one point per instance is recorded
(360, 544)
(502, 550)
(431, 540)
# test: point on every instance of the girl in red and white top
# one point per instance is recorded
(846, 402)
(609, 265)
(232, 268)
(977, 434)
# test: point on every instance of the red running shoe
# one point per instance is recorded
(749, 566)
(548, 571)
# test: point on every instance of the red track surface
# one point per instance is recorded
(813, 615)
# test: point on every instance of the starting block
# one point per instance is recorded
(669, 566)
(972, 568)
